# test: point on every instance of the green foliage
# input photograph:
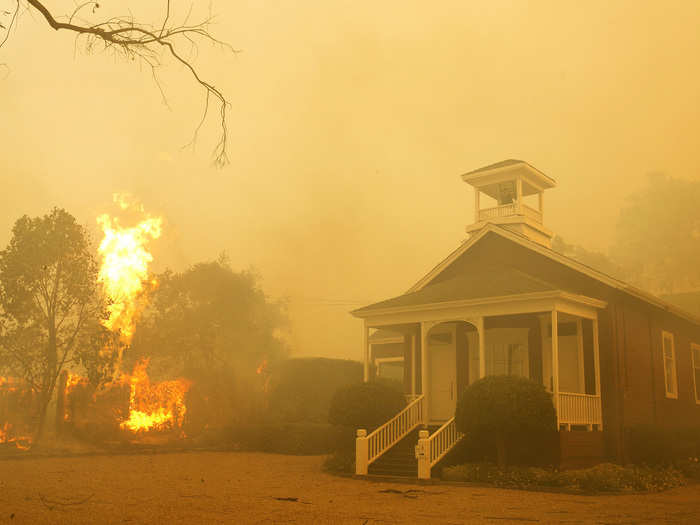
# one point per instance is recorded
(664, 215)
(606, 477)
(302, 389)
(365, 405)
(49, 302)
(497, 409)
(209, 319)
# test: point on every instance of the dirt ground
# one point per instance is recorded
(235, 487)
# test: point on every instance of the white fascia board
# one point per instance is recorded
(472, 309)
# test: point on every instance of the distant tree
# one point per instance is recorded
(658, 235)
(49, 303)
(210, 320)
(596, 260)
(146, 43)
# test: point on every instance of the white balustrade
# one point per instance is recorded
(433, 448)
(442, 441)
(579, 409)
(369, 447)
(505, 210)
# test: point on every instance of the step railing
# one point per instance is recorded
(369, 447)
(432, 448)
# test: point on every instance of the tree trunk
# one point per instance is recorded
(61, 402)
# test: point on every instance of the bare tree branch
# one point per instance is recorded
(141, 41)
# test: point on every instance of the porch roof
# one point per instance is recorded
(492, 282)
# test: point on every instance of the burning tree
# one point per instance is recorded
(49, 302)
(214, 326)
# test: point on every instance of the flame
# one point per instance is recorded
(124, 270)
(262, 367)
(154, 406)
(6, 436)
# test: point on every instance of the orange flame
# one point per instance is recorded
(124, 270)
(6, 436)
(154, 406)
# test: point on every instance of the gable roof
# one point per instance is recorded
(429, 296)
(496, 281)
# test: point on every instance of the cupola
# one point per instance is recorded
(510, 194)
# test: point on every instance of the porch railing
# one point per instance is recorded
(532, 213)
(505, 210)
(369, 447)
(579, 409)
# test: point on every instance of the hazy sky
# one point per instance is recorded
(350, 124)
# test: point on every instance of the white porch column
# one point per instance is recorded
(579, 356)
(596, 363)
(365, 348)
(477, 204)
(482, 347)
(519, 194)
(424, 371)
(555, 362)
(414, 375)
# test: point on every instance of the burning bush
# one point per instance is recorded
(18, 404)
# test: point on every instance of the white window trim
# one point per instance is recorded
(664, 334)
(695, 365)
(379, 360)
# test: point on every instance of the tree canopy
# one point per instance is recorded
(209, 319)
(658, 235)
(49, 303)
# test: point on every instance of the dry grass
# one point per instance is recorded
(220, 487)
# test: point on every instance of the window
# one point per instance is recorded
(695, 355)
(670, 377)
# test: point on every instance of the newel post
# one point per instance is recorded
(361, 453)
(423, 455)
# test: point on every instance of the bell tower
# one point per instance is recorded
(510, 194)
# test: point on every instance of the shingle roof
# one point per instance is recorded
(501, 164)
(495, 281)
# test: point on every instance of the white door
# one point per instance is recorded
(443, 375)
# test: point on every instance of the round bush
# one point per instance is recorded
(500, 408)
(365, 405)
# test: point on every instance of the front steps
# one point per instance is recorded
(400, 460)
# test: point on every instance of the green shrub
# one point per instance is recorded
(362, 405)
(365, 405)
(605, 477)
(502, 409)
(302, 389)
(285, 438)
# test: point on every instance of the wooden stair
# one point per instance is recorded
(400, 460)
